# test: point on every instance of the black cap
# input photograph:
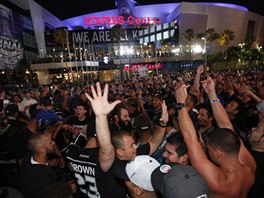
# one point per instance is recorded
(142, 123)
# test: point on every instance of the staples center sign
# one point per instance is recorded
(119, 20)
(140, 67)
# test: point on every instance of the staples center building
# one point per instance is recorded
(153, 37)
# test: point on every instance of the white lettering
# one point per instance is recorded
(83, 169)
(86, 37)
(101, 36)
(107, 36)
(134, 33)
(95, 37)
(77, 37)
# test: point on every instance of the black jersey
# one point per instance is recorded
(84, 163)
(91, 180)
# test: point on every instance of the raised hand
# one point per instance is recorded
(181, 93)
(209, 86)
(200, 69)
(99, 101)
(164, 115)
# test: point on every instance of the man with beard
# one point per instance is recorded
(36, 174)
(120, 119)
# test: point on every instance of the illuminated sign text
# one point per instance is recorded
(119, 20)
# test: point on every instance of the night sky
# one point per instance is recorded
(64, 9)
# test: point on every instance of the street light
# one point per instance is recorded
(205, 53)
(241, 50)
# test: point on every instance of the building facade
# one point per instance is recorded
(153, 38)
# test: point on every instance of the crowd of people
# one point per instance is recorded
(197, 134)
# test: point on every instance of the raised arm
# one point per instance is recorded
(102, 108)
(188, 131)
(196, 153)
(219, 112)
(223, 121)
(196, 84)
(159, 130)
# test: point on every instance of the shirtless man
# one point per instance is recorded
(231, 173)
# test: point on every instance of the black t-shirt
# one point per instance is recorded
(20, 148)
(144, 149)
(35, 178)
(79, 126)
(91, 180)
(7, 139)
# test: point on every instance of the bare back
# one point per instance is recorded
(234, 182)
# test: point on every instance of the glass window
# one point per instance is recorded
(140, 32)
(146, 31)
(152, 29)
(165, 25)
(159, 37)
(172, 32)
(158, 27)
(152, 38)
(166, 35)
(146, 39)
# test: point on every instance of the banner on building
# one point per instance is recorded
(11, 52)
(102, 36)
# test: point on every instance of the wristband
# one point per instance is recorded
(179, 106)
(161, 124)
(216, 100)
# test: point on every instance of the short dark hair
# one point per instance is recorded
(209, 110)
(132, 102)
(177, 140)
(225, 140)
(35, 141)
(193, 99)
(118, 138)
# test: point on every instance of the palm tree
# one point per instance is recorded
(116, 34)
(211, 36)
(225, 37)
(189, 35)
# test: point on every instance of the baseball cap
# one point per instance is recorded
(138, 171)
(142, 123)
(171, 180)
(45, 118)
(175, 180)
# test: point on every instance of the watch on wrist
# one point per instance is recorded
(179, 106)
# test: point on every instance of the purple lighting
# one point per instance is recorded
(163, 12)
(226, 5)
